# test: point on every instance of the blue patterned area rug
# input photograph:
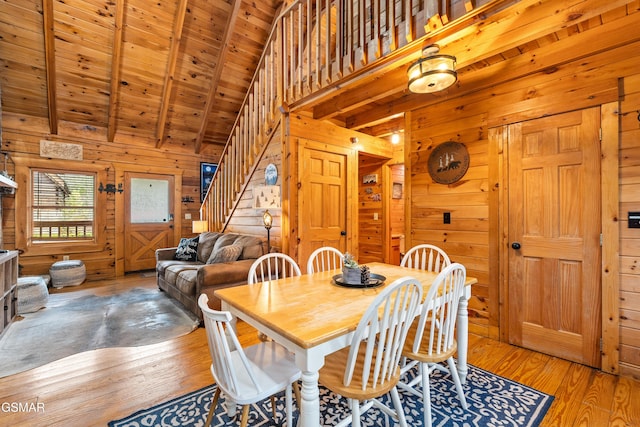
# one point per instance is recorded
(493, 401)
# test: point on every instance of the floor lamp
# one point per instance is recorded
(267, 219)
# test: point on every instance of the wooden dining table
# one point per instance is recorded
(312, 317)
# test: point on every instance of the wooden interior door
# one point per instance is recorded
(323, 213)
(148, 218)
(554, 235)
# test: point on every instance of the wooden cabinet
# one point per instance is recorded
(8, 287)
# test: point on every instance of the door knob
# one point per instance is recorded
(515, 245)
(343, 233)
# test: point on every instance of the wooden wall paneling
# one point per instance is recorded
(25, 143)
(247, 219)
(577, 84)
(610, 237)
(466, 238)
(396, 211)
(370, 202)
(330, 135)
(629, 238)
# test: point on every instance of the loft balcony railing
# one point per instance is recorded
(313, 45)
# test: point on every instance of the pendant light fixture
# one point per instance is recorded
(433, 72)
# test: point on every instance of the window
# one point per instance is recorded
(63, 205)
(61, 210)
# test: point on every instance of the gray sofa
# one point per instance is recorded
(220, 260)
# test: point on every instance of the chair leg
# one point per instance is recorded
(212, 409)
(456, 381)
(245, 416)
(398, 405)
(296, 391)
(355, 412)
(426, 394)
(289, 406)
(273, 407)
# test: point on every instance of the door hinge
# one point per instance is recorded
(600, 134)
(601, 345)
(601, 239)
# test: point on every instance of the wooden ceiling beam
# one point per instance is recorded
(478, 42)
(385, 127)
(116, 59)
(386, 84)
(545, 58)
(169, 76)
(50, 60)
(217, 72)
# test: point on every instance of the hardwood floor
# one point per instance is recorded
(95, 387)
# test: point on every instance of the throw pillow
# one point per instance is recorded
(228, 253)
(187, 249)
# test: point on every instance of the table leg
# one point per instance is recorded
(463, 339)
(310, 405)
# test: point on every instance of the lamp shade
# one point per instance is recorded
(267, 219)
(433, 72)
(199, 226)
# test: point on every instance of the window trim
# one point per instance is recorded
(24, 197)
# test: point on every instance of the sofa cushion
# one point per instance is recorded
(205, 245)
(186, 282)
(161, 266)
(252, 247)
(187, 249)
(171, 272)
(225, 254)
(225, 240)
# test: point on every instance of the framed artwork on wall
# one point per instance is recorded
(207, 170)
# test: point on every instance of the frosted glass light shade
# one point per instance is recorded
(433, 72)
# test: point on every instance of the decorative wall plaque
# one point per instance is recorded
(448, 162)
(271, 174)
(60, 150)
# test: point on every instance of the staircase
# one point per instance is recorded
(315, 45)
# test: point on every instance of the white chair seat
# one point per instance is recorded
(271, 364)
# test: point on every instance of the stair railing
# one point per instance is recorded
(314, 45)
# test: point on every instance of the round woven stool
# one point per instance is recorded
(32, 294)
(67, 273)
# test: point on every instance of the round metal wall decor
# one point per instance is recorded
(448, 162)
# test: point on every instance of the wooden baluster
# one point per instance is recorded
(391, 25)
(409, 22)
(328, 67)
(360, 50)
(347, 62)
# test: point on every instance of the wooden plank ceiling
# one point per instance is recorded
(134, 70)
(174, 73)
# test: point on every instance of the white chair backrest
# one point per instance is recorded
(323, 259)
(440, 310)
(426, 257)
(271, 267)
(383, 330)
(228, 360)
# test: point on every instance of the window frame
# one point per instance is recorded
(24, 203)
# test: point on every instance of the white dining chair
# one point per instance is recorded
(323, 259)
(246, 375)
(271, 267)
(368, 368)
(426, 257)
(431, 339)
